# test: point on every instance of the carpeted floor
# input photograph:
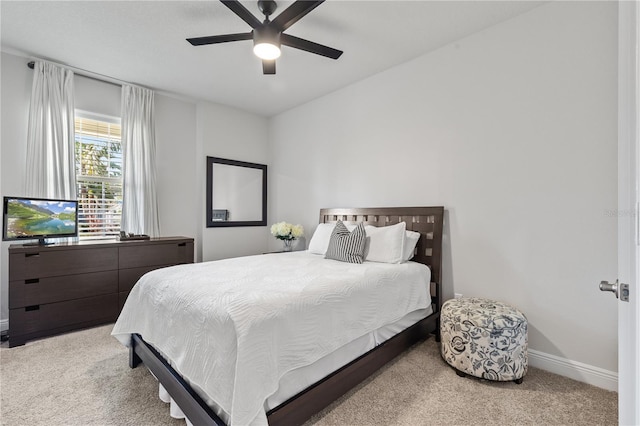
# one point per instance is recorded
(83, 378)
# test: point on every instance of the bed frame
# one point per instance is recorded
(428, 222)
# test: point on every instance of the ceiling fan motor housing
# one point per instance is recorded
(267, 7)
(266, 34)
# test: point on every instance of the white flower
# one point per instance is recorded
(297, 231)
(286, 231)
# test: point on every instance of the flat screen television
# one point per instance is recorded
(38, 218)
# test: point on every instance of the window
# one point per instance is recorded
(98, 152)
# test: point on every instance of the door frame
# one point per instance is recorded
(628, 226)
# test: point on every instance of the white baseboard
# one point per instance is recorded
(4, 325)
(574, 370)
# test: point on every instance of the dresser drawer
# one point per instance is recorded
(51, 263)
(38, 291)
(50, 316)
(155, 255)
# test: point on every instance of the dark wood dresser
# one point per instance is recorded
(63, 287)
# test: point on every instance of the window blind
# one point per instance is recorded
(98, 152)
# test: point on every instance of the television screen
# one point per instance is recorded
(31, 218)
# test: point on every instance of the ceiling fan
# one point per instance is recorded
(268, 36)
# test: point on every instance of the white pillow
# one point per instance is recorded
(410, 240)
(320, 239)
(386, 243)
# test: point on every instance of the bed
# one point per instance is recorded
(289, 374)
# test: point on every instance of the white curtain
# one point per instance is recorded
(51, 171)
(139, 203)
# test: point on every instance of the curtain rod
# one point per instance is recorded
(114, 81)
(87, 74)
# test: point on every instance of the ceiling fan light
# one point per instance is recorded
(266, 42)
(266, 50)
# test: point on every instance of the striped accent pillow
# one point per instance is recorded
(347, 246)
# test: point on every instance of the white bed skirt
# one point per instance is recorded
(174, 409)
(297, 380)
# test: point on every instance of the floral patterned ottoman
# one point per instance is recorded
(484, 338)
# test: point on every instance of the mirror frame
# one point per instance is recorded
(220, 224)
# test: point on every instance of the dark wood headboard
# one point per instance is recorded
(427, 221)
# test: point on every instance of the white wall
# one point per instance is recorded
(92, 95)
(229, 133)
(513, 130)
(14, 105)
(178, 196)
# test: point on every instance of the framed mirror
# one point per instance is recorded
(236, 193)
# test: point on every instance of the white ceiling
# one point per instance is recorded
(143, 42)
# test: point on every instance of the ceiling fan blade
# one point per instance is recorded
(293, 13)
(309, 46)
(200, 41)
(268, 66)
(244, 14)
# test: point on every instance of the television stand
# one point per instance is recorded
(41, 242)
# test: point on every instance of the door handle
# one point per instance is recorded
(607, 286)
(619, 289)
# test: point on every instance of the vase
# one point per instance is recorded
(288, 245)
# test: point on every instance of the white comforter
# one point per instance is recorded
(234, 327)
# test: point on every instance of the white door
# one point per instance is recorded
(628, 220)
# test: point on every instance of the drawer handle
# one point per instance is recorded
(31, 254)
(182, 244)
(32, 281)
(32, 308)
